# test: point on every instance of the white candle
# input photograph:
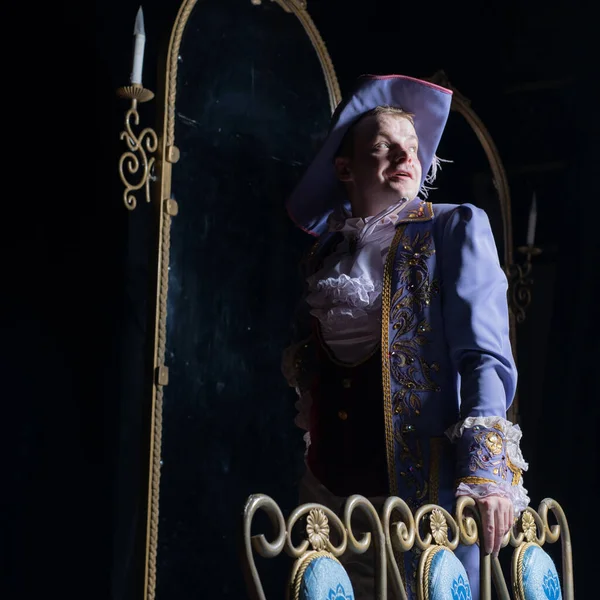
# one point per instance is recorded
(138, 50)
(532, 222)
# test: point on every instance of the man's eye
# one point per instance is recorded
(381, 145)
(413, 149)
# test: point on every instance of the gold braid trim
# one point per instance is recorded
(386, 298)
(518, 584)
(473, 479)
(303, 564)
(171, 84)
(156, 433)
(425, 565)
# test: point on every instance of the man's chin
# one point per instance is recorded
(401, 190)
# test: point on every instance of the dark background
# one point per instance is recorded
(74, 321)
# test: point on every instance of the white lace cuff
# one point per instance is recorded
(517, 494)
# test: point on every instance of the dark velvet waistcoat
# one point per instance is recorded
(347, 453)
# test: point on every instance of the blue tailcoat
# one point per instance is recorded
(445, 349)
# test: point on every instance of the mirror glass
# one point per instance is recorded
(252, 106)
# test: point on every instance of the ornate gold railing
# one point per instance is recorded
(392, 532)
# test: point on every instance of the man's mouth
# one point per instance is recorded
(401, 175)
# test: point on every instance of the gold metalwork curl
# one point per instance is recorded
(427, 511)
(399, 538)
(521, 282)
(402, 532)
(467, 523)
(259, 542)
(539, 533)
(534, 533)
(303, 547)
(521, 291)
(140, 147)
(560, 530)
(361, 546)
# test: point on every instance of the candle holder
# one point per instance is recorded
(137, 157)
(521, 282)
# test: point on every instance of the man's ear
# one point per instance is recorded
(342, 168)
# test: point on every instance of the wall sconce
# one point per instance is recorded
(520, 274)
(141, 146)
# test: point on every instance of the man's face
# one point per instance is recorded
(384, 166)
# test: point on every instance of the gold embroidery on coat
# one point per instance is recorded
(385, 359)
(494, 443)
(423, 212)
(407, 366)
(516, 472)
(414, 293)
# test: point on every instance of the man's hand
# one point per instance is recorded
(497, 517)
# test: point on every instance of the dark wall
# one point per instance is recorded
(76, 323)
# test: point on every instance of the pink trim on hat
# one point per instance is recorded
(291, 216)
(427, 83)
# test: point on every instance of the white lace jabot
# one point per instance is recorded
(345, 295)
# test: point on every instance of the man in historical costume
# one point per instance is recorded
(401, 358)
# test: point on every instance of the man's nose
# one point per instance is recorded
(400, 155)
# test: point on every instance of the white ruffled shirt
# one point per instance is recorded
(345, 295)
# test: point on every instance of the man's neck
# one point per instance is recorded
(364, 208)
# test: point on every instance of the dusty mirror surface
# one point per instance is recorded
(251, 108)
